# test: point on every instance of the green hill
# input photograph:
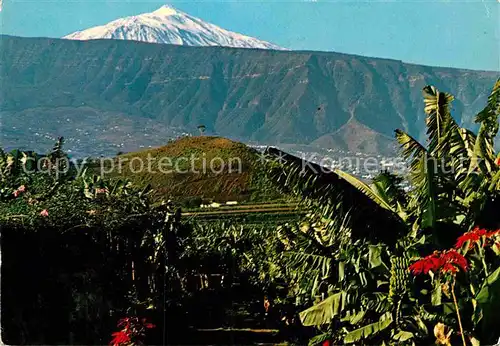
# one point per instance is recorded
(207, 168)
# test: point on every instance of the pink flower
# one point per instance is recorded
(104, 190)
(19, 190)
(44, 213)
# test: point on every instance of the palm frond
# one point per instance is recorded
(323, 312)
(369, 330)
(330, 193)
(388, 186)
(484, 152)
(365, 189)
(411, 148)
(461, 150)
(422, 176)
(437, 108)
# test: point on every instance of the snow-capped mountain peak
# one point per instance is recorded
(171, 26)
(165, 10)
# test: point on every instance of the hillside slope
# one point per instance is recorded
(206, 167)
(253, 95)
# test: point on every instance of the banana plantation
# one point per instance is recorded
(366, 263)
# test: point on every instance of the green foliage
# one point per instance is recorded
(355, 246)
(345, 263)
(488, 298)
(370, 329)
(323, 312)
(236, 251)
(93, 250)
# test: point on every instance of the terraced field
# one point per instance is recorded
(249, 214)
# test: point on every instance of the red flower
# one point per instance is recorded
(453, 258)
(326, 343)
(474, 237)
(119, 338)
(497, 161)
(426, 264)
(446, 262)
(449, 268)
(493, 233)
(133, 328)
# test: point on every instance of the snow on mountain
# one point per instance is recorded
(171, 26)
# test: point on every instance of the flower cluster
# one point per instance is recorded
(474, 236)
(19, 190)
(132, 330)
(443, 262)
(120, 338)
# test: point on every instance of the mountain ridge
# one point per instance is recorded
(254, 95)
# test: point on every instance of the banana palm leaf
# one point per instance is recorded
(437, 108)
(365, 189)
(370, 329)
(412, 149)
(484, 152)
(333, 193)
(462, 151)
(422, 175)
(323, 312)
(388, 187)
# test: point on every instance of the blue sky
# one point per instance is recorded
(447, 33)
